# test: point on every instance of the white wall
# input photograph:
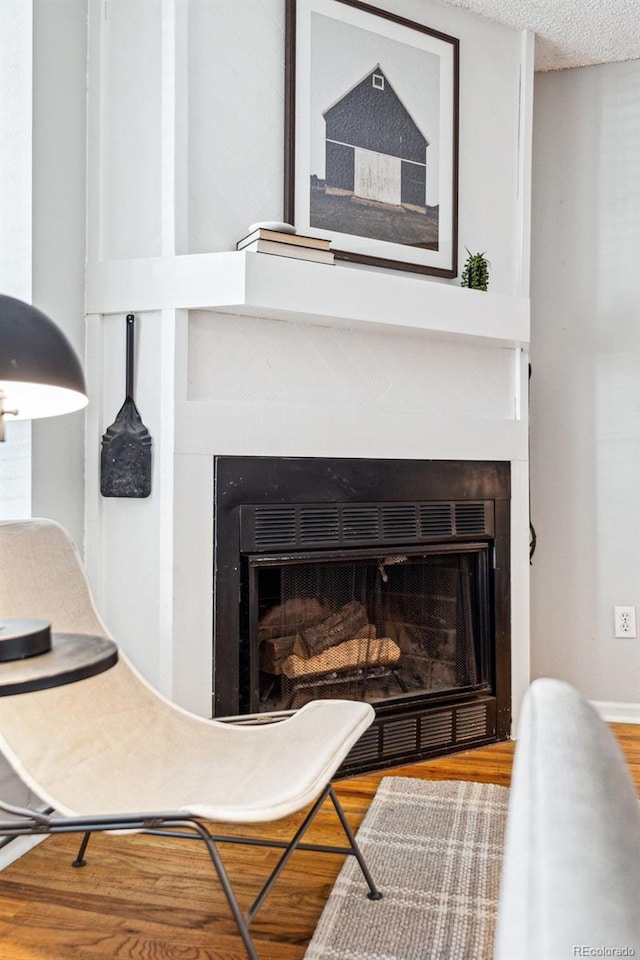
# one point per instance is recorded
(59, 152)
(585, 390)
(130, 155)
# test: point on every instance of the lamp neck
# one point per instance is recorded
(3, 413)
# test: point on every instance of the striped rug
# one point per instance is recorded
(435, 851)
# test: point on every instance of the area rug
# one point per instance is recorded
(434, 849)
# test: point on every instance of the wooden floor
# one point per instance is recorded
(146, 898)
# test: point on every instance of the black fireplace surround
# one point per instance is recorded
(379, 580)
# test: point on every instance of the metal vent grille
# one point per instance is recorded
(275, 526)
(424, 733)
(471, 723)
(436, 730)
(361, 522)
(400, 522)
(400, 736)
(319, 523)
(292, 525)
(436, 520)
(470, 517)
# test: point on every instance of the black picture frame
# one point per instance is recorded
(354, 139)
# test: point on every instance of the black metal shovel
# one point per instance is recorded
(125, 463)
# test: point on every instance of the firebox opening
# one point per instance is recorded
(377, 628)
(382, 580)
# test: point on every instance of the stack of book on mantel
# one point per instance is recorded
(284, 244)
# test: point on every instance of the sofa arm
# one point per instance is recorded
(570, 884)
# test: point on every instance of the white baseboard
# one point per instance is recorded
(17, 848)
(617, 712)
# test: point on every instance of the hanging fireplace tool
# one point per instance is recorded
(125, 463)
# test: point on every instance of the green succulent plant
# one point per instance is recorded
(476, 271)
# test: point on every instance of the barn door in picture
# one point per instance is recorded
(377, 176)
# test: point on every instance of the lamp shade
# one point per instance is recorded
(40, 373)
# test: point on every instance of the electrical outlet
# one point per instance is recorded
(625, 621)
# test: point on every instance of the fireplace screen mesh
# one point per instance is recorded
(373, 629)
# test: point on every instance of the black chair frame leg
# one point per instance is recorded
(80, 860)
(243, 921)
(374, 893)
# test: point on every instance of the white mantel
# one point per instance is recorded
(300, 291)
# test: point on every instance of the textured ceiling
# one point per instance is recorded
(569, 33)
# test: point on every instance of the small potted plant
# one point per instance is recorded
(476, 271)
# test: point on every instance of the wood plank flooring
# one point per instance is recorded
(149, 898)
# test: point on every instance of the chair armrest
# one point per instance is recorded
(571, 872)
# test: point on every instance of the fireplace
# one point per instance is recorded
(378, 580)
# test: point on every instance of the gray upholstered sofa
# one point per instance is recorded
(571, 877)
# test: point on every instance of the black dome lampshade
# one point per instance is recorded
(40, 373)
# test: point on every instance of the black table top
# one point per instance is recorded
(73, 656)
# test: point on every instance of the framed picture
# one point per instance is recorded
(371, 135)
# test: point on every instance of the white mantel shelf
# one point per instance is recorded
(300, 291)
